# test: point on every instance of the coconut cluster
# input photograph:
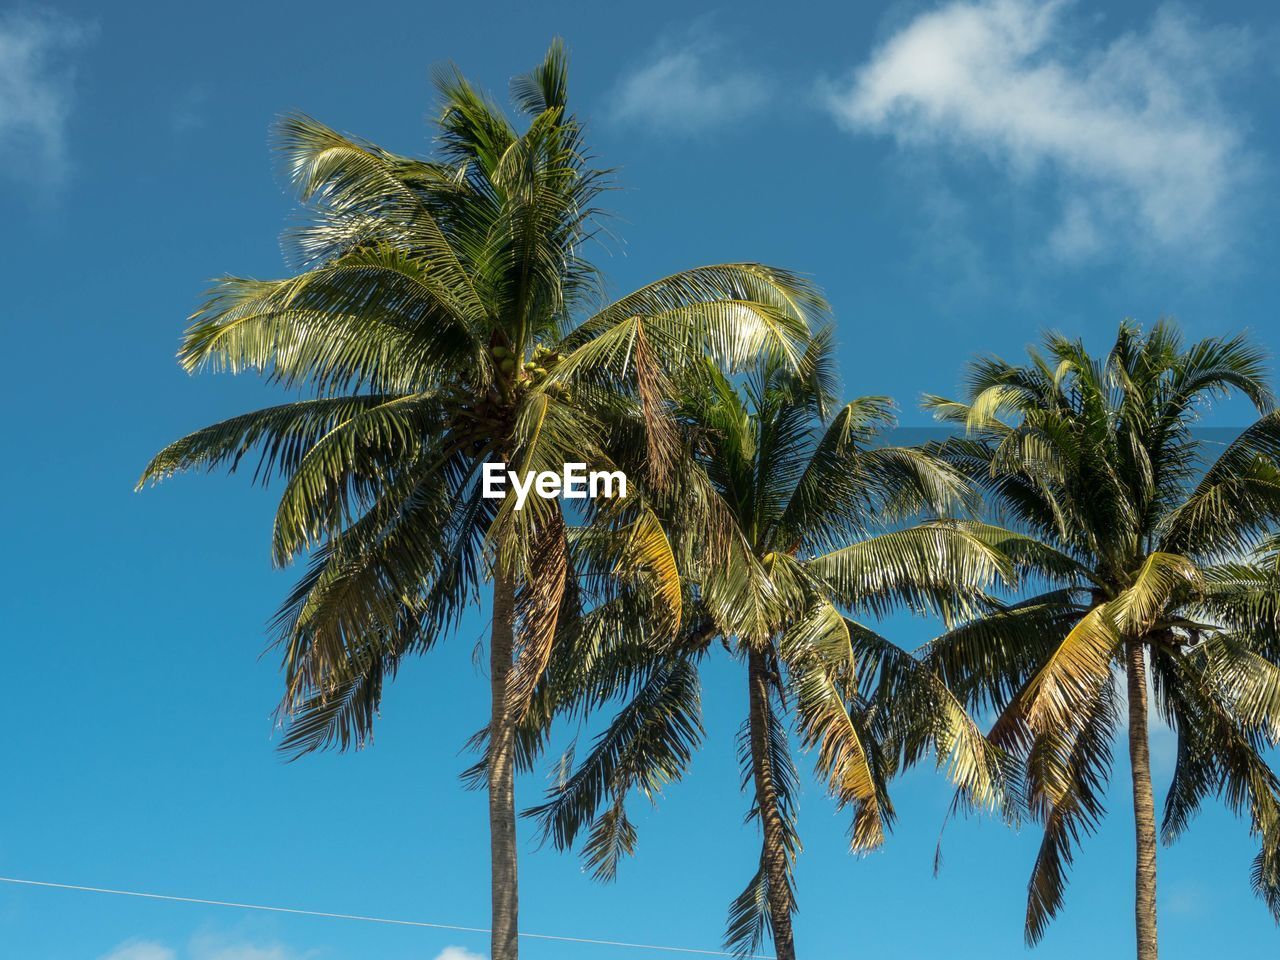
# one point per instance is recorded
(534, 370)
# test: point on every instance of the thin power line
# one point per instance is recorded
(383, 920)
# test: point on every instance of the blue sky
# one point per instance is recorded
(956, 176)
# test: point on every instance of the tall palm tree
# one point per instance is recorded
(800, 495)
(1162, 582)
(445, 316)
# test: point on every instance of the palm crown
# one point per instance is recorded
(800, 500)
(443, 319)
(1155, 559)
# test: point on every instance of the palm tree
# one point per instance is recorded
(1159, 575)
(444, 316)
(796, 497)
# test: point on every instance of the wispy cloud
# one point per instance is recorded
(189, 112)
(37, 93)
(140, 950)
(687, 88)
(458, 953)
(211, 950)
(1130, 132)
(203, 948)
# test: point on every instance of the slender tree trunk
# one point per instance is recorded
(1144, 811)
(504, 942)
(774, 854)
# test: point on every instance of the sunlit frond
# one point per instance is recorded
(846, 757)
(1135, 610)
(1073, 672)
(930, 568)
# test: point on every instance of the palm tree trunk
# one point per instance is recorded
(504, 940)
(773, 858)
(1144, 811)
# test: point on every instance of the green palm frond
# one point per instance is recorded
(930, 568)
(1218, 752)
(346, 175)
(847, 758)
(329, 485)
(341, 716)
(1071, 768)
(546, 87)
(1248, 682)
(1237, 500)
(732, 311)
(1162, 574)
(987, 660)
(1264, 875)
(283, 435)
(371, 317)
(749, 917)
(917, 713)
(647, 745)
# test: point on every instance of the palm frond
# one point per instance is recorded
(647, 745)
(1072, 769)
(1073, 672)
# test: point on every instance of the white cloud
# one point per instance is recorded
(458, 953)
(140, 950)
(204, 948)
(36, 93)
(687, 88)
(209, 950)
(1131, 133)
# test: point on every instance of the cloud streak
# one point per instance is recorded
(140, 950)
(212, 948)
(686, 89)
(204, 948)
(1131, 133)
(37, 75)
